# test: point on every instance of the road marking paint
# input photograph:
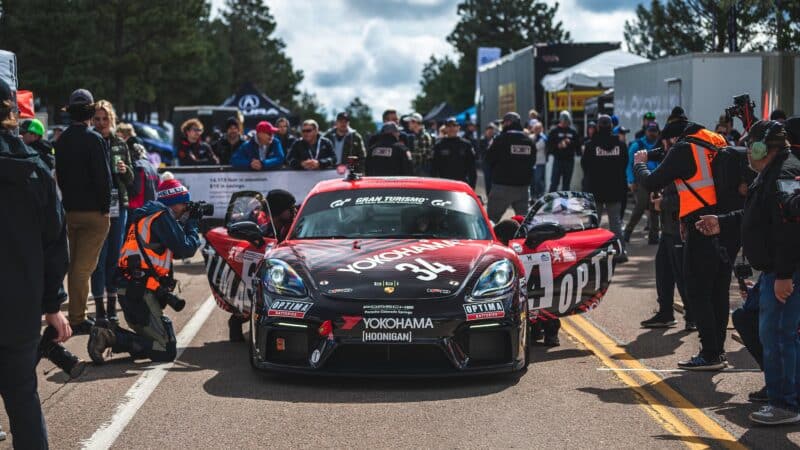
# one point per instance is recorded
(137, 395)
(609, 369)
(714, 429)
(660, 413)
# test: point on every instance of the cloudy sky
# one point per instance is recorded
(375, 49)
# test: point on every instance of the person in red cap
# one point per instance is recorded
(262, 153)
(157, 232)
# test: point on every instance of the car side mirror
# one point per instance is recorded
(542, 232)
(246, 231)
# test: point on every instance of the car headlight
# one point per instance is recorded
(281, 279)
(496, 279)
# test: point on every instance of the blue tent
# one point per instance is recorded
(468, 114)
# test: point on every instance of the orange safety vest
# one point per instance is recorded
(160, 256)
(702, 182)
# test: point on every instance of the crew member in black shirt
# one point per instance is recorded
(453, 157)
(511, 158)
(387, 156)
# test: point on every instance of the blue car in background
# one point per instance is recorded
(156, 139)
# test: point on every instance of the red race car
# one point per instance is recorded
(404, 276)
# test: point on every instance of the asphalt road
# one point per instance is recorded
(611, 384)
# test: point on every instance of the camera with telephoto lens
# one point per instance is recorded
(165, 296)
(198, 210)
(59, 355)
(744, 109)
(657, 154)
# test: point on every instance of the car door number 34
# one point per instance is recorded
(424, 270)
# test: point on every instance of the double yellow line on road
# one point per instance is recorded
(646, 384)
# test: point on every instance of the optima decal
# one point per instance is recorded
(289, 308)
(393, 255)
(484, 310)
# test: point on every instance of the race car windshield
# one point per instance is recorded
(391, 213)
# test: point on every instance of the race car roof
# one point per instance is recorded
(392, 183)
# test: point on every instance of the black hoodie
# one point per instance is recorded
(604, 161)
(34, 258)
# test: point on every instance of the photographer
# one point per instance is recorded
(707, 179)
(158, 232)
(771, 242)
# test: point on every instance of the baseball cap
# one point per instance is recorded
(34, 126)
(231, 122)
(511, 117)
(389, 127)
(5, 91)
(451, 121)
(81, 97)
(416, 117)
(649, 115)
(652, 126)
(265, 127)
(343, 116)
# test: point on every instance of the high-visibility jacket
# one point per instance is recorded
(702, 182)
(160, 256)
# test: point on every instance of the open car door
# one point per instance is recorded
(568, 259)
(232, 259)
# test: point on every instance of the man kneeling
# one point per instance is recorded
(158, 232)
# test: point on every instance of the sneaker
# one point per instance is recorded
(113, 320)
(99, 340)
(537, 334)
(660, 320)
(84, 327)
(622, 258)
(771, 415)
(551, 341)
(690, 327)
(759, 396)
(700, 362)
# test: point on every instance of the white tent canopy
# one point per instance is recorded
(595, 72)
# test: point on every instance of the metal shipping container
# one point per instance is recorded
(704, 85)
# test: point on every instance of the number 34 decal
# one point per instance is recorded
(424, 270)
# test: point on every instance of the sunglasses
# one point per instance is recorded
(308, 130)
(197, 130)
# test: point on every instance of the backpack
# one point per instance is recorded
(730, 169)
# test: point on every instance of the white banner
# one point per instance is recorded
(217, 187)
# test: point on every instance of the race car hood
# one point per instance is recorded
(384, 269)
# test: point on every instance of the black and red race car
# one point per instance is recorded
(404, 276)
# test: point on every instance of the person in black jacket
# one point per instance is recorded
(312, 152)
(454, 157)
(192, 151)
(388, 156)
(84, 176)
(32, 266)
(511, 158)
(563, 142)
(707, 261)
(227, 146)
(771, 243)
(604, 161)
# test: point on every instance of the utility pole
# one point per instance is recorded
(732, 41)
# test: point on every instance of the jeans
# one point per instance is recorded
(777, 328)
(537, 182)
(86, 232)
(669, 275)
(614, 220)
(642, 197)
(18, 389)
(502, 196)
(708, 281)
(103, 276)
(562, 171)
